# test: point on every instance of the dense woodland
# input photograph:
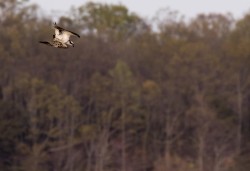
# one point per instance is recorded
(129, 96)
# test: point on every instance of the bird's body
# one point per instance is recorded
(61, 38)
(63, 35)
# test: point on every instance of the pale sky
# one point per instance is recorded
(148, 8)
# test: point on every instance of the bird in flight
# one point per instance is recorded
(61, 38)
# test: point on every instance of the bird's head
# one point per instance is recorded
(71, 43)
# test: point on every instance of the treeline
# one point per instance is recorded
(126, 97)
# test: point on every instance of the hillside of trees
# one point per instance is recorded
(126, 97)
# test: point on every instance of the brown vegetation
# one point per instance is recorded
(125, 97)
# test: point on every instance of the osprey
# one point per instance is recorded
(61, 38)
(63, 35)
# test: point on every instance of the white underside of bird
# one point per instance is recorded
(62, 35)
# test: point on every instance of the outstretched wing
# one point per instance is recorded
(46, 43)
(55, 44)
(62, 34)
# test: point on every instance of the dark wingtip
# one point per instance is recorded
(45, 42)
(77, 35)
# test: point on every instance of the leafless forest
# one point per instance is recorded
(127, 97)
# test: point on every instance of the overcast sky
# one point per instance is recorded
(148, 8)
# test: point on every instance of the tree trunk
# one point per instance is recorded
(123, 136)
(201, 153)
(239, 111)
